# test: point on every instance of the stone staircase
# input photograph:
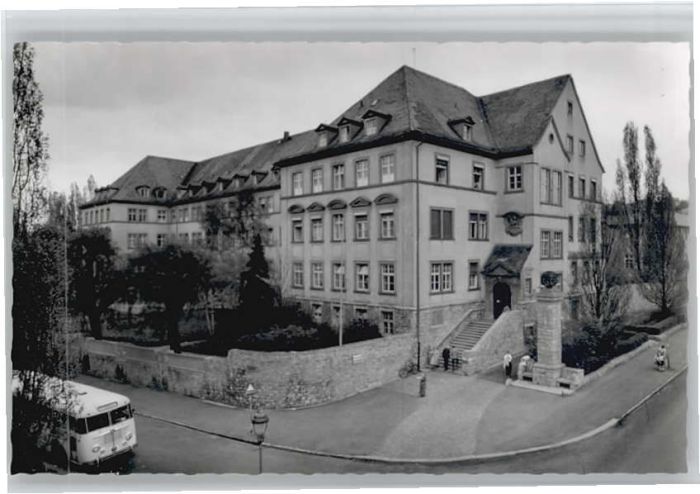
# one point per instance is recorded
(469, 334)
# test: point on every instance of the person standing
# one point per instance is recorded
(507, 364)
(446, 358)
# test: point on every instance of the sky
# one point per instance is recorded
(107, 105)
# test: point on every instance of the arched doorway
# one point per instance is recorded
(501, 298)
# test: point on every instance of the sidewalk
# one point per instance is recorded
(460, 415)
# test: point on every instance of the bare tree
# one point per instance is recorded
(30, 146)
(629, 189)
(667, 265)
(604, 294)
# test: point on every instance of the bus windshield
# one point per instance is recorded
(98, 422)
(120, 414)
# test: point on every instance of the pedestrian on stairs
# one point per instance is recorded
(446, 358)
(507, 363)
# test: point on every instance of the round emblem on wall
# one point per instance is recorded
(549, 279)
(514, 223)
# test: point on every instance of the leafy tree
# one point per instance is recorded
(235, 222)
(173, 275)
(604, 294)
(30, 145)
(38, 341)
(667, 263)
(629, 188)
(91, 256)
(257, 295)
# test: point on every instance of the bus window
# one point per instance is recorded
(98, 422)
(78, 425)
(120, 414)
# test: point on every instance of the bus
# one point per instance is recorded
(100, 425)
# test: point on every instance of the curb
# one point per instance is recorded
(475, 458)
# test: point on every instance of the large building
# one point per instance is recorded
(419, 202)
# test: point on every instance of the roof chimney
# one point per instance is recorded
(286, 137)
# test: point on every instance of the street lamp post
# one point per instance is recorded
(259, 420)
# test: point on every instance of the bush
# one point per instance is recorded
(630, 343)
(361, 330)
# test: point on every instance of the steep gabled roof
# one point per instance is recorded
(416, 106)
(151, 171)
(517, 117)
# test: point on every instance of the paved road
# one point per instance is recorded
(652, 440)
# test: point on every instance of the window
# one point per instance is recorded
(388, 321)
(582, 147)
(197, 213)
(143, 191)
(298, 275)
(440, 277)
(317, 180)
(131, 214)
(551, 244)
(344, 133)
(581, 229)
(183, 214)
(142, 215)
(371, 126)
(467, 132)
(102, 215)
(335, 315)
(582, 188)
(571, 186)
(161, 239)
(362, 173)
(184, 238)
(297, 231)
(322, 140)
(297, 184)
(473, 275)
(478, 226)
(361, 313)
(388, 278)
(544, 244)
(571, 229)
(361, 277)
(557, 245)
(550, 186)
(361, 227)
(317, 313)
(574, 272)
(569, 108)
(338, 276)
(594, 190)
(629, 261)
(569, 144)
(441, 224)
(197, 238)
(441, 170)
(387, 165)
(136, 240)
(338, 228)
(159, 193)
(387, 226)
(317, 275)
(98, 422)
(478, 176)
(528, 286)
(338, 177)
(162, 215)
(317, 229)
(593, 231)
(514, 178)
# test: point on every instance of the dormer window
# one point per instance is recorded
(143, 190)
(159, 192)
(370, 126)
(219, 187)
(467, 132)
(344, 133)
(325, 134)
(323, 140)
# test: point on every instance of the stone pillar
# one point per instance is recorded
(548, 367)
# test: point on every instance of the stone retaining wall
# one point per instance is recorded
(282, 379)
(506, 334)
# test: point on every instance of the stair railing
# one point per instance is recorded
(475, 313)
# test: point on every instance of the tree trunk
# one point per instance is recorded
(173, 331)
(95, 324)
